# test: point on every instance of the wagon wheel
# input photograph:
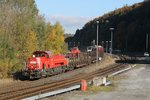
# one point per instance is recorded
(70, 68)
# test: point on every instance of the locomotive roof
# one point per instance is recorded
(47, 52)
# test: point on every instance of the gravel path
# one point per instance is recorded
(135, 87)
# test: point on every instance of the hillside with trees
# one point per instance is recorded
(130, 23)
(22, 31)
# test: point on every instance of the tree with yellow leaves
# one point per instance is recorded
(55, 39)
(30, 44)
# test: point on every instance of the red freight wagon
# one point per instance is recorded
(74, 52)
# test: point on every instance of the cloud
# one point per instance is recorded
(70, 23)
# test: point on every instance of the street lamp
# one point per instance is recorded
(147, 42)
(102, 43)
(111, 29)
(97, 44)
(78, 44)
(106, 46)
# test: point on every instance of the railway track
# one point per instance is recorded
(23, 92)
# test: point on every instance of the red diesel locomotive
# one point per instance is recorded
(44, 63)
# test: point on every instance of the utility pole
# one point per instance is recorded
(147, 42)
(102, 43)
(107, 46)
(111, 29)
(97, 45)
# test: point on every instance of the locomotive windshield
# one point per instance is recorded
(42, 54)
(39, 54)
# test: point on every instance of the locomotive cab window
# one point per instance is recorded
(39, 54)
(46, 55)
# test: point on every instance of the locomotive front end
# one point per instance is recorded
(33, 69)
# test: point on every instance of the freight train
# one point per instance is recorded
(44, 63)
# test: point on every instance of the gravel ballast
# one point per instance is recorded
(9, 84)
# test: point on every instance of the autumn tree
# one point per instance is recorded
(55, 39)
(22, 31)
(30, 45)
(17, 17)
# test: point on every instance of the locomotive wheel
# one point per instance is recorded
(71, 67)
(64, 68)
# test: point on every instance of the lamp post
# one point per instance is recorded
(102, 43)
(97, 44)
(111, 48)
(147, 42)
(106, 46)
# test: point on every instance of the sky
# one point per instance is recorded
(73, 14)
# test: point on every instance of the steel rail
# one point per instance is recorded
(18, 94)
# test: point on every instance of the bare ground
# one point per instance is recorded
(132, 85)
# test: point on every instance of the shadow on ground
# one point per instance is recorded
(18, 76)
(135, 61)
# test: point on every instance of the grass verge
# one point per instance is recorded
(101, 88)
